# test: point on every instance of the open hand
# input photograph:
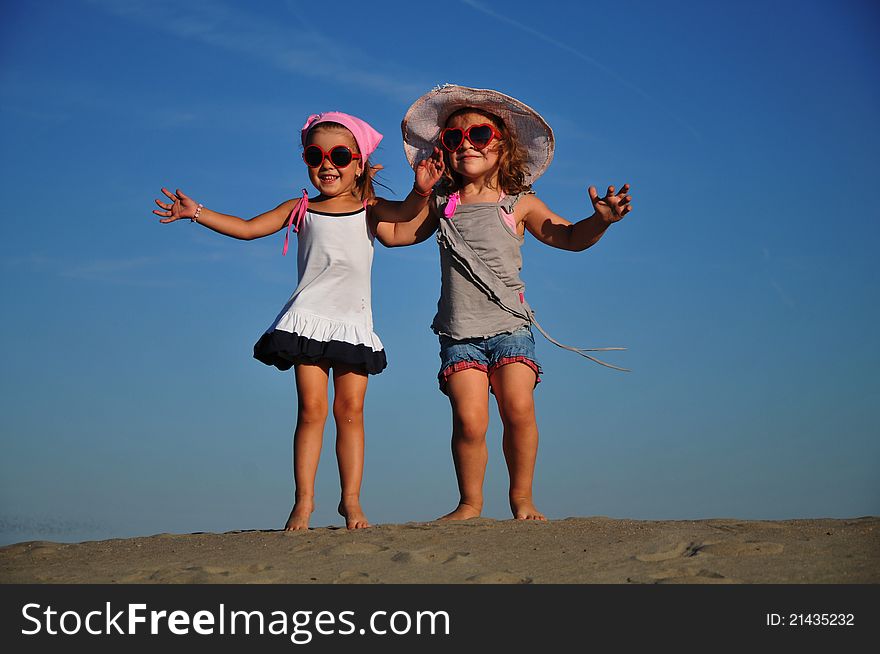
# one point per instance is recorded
(429, 171)
(181, 206)
(613, 206)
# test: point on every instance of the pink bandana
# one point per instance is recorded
(365, 136)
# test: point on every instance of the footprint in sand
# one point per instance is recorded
(683, 549)
(207, 574)
(355, 577)
(683, 576)
(428, 556)
(458, 557)
(695, 577)
(257, 567)
(725, 548)
(194, 574)
(498, 578)
(347, 549)
(734, 548)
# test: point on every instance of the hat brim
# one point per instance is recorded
(427, 116)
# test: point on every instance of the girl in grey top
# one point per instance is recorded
(494, 147)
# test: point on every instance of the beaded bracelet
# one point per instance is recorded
(195, 218)
(424, 195)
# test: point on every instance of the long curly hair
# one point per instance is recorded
(364, 182)
(512, 169)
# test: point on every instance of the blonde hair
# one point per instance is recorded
(364, 181)
(512, 168)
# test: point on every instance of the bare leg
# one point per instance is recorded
(514, 386)
(349, 389)
(469, 396)
(311, 391)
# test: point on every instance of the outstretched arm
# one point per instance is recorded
(554, 230)
(415, 205)
(183, 206)
(393, 235)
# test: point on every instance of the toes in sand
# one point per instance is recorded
(462, 512)
(300, 514)
(350, 509)
(524, 509)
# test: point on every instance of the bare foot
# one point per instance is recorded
(350, 509)
(463, 512)
(524, 509)
(300, 514)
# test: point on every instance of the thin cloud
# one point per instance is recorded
(580, 55)
(29, 261)
(222, 26)
(107, 269)
(177, 118)
(787, 300)
(134, 271)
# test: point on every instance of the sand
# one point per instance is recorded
(594, 550)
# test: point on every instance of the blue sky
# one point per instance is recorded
(744, 283)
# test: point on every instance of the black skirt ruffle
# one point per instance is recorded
(284, 349)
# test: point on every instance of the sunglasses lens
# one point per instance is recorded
(452, 139)
(480, 135)
(313, 156)
(340, 156)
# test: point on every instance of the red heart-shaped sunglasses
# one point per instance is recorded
(479, 136)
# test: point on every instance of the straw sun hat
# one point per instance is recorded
(427, 116)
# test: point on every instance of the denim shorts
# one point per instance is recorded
(487, 354)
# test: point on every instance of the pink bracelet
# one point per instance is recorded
(195, 218)
(424, 195)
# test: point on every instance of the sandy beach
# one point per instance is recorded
(594, 550)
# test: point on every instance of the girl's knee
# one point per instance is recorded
(312, 409)
(517, 410)
(471, 425)
(348, 408)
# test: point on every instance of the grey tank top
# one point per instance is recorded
(480, 261)
(482, 294)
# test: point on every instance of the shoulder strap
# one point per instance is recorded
(508, 202)
(296, 217)
(509, 299)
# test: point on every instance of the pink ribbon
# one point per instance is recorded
(296, 215)
(451, 205)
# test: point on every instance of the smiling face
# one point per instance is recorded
(327, 178)
(468, 161)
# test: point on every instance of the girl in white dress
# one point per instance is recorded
(327, 323)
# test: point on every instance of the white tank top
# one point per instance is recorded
(332, 299)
